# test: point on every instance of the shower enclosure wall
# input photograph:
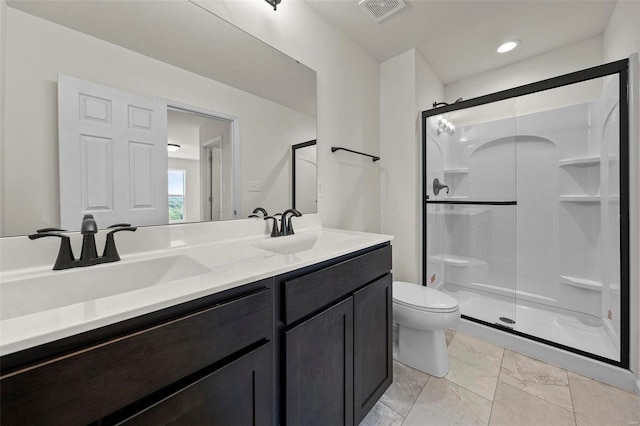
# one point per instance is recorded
(526, 210)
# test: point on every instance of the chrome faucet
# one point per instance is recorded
(89, 254)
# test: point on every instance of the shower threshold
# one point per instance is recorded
(536, 320)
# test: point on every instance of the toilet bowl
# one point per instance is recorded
(422, 314)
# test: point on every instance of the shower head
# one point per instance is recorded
(439, 104)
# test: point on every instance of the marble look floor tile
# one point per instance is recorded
(596, 403)
(442, 403)
(381, 415)
(474, 364)
(538, 378)
(403, 392)
(449, 333)
(513, 406)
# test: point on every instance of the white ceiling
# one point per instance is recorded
(459, 38)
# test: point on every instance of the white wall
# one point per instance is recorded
(584, 54)
(348, 103)
(622, 35)
(429, 90)
(622, 38)
(192, 168)
(3, 38)
(37, 50)
(407, 83)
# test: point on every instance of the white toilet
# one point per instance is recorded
(422, 314)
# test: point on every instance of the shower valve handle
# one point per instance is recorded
(437, 186)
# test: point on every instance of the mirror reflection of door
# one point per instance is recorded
(112, 155)
(304, 173)
(205, 152)
(212, 193)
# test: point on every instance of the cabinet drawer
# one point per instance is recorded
(238, 394)
(308, 293)
(86, 385)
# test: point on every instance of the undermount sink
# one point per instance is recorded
(297, 243)
(23, 296)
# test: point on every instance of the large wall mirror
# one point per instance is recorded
(96, 91)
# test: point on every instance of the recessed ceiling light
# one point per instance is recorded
(173, 147)
(508, 46)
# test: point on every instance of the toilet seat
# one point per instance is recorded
(422, 298)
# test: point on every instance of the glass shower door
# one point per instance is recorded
(470, 182)
(527, 205)
(568, 230)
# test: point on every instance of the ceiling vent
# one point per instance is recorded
(381, 9)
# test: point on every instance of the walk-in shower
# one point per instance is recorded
(526, 210)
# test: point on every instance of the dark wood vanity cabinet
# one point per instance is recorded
(337, 341)
(177, 370)
(310, 347)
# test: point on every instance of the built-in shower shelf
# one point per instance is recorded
(459, 171)
(580, 162)
(580, 198)
(581, 283)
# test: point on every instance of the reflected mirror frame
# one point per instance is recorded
(621, 70)
(293, 168)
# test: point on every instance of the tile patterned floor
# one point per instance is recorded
(489, 385)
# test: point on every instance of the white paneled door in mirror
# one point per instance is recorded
(112, 155)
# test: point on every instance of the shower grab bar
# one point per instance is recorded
(338, 148)
(474, 203)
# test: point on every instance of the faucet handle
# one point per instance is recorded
(110, 250)
(65, 253)
(290, 225)
(287, 227)
(123, 227)
(43, 230)
(274, 229)
(120, 225)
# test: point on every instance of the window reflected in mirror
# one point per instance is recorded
(177, 194)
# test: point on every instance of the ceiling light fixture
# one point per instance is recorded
(508, 46)
(173, 147)
(273, 3)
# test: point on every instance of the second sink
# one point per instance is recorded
(302, 242)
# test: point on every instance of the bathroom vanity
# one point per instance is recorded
(297, 332)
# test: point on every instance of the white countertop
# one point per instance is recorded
(233, 262)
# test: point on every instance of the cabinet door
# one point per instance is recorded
(238, 394)
(372, 336)
(319, 369)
